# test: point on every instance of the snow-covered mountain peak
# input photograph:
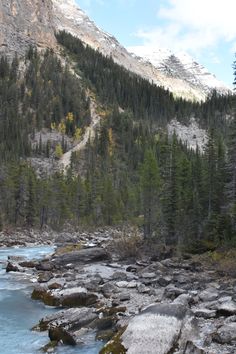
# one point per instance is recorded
(180, 65)
(34, 22)
(177, 72)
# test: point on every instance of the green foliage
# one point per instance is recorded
(132, 171)
(58, 151)
(150, 190)
(47, 95)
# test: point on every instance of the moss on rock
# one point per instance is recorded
(68, 248)
(45, 296)
(114, 346)
(79, 299)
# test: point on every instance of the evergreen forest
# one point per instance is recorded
(132, 172)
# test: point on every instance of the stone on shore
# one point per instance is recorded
(158, 329)
(89, 255)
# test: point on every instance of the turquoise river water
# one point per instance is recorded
(18, 313)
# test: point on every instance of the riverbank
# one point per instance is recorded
(99, 293)
(18, 313)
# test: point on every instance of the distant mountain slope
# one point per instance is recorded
(180, 74)
(180, 65)
(34, 22)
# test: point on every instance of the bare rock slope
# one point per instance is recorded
(35, 22)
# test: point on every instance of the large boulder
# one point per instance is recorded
(69, 326)
(77, 299)
(45, 266)
(227, 308)
(158, 329)
(88, 255)
(60, 334)
(43, 294)
(12, 267)
(70, 318)
(71, 297)
(226, 333)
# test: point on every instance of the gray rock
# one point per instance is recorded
(171, 292)
(226, 333)
(182, 279)
(78, 298)
(45, 277)
(64, 325)
(209, 295)
(183, 299)
(205, 313)
(45, 266)
(108, 289)
(12, 267)
(119, 276)
(142, 289)
(16, 259)
(132, 268)
(148, 275)
(115, 302)
(158, 329)
(124, 297)
(226, 309)
(164, 281)
(192, 348)
(132, 284)
(122, 284)
(88, 255)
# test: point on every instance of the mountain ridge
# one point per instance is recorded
(34, 23)
(180, 64)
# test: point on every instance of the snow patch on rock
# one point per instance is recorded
(182, 66)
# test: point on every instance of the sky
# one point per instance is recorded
(205, 29)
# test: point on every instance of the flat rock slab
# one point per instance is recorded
(209, 295)
(65, 326)
(73, 317)
(226, 334)
(89, 255)
(148, 275)
(205, 313)
(156, 330)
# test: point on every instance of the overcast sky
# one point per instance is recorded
(206, 29)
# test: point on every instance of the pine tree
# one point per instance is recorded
(150, 191)
(31, 202)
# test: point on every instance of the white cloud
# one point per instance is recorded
(193, 25)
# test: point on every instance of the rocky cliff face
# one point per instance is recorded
(25, 22)
(35, 21)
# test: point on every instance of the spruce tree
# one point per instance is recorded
(150, 191)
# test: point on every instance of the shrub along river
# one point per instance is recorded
(18, 313)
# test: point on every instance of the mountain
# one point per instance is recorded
(180, 74)
(34, 22)
(85, 141)
(25, 23)
(180, 65)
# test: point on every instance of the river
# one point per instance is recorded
(18, 313)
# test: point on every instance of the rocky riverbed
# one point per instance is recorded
(135, 306)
